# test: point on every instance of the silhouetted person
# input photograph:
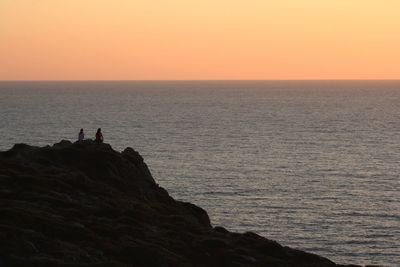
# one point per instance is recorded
(81, 135)
(99, 136)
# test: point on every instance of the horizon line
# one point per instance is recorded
(191, 80)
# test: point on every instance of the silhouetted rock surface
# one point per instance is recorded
(84, 204)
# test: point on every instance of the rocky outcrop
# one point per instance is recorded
(85, 204)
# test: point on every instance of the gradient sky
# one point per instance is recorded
(207, 39)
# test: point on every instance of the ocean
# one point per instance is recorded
(314, 165)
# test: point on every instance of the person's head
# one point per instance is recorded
(99, 130)
(81, 130)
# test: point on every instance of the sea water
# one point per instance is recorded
(314, 165)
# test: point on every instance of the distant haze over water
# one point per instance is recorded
(312, 164)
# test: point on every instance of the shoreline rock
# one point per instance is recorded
(84, 204)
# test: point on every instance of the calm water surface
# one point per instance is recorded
(313, 165)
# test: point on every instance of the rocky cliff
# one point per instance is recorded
(84, 204)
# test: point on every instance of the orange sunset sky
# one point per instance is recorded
(207, 39)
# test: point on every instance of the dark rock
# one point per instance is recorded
(62, 144)
(214, 243)
(84, 204)
(221, 229)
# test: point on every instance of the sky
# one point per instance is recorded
(196, 40)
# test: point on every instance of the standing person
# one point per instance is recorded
(81, 135)
(99, 136)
